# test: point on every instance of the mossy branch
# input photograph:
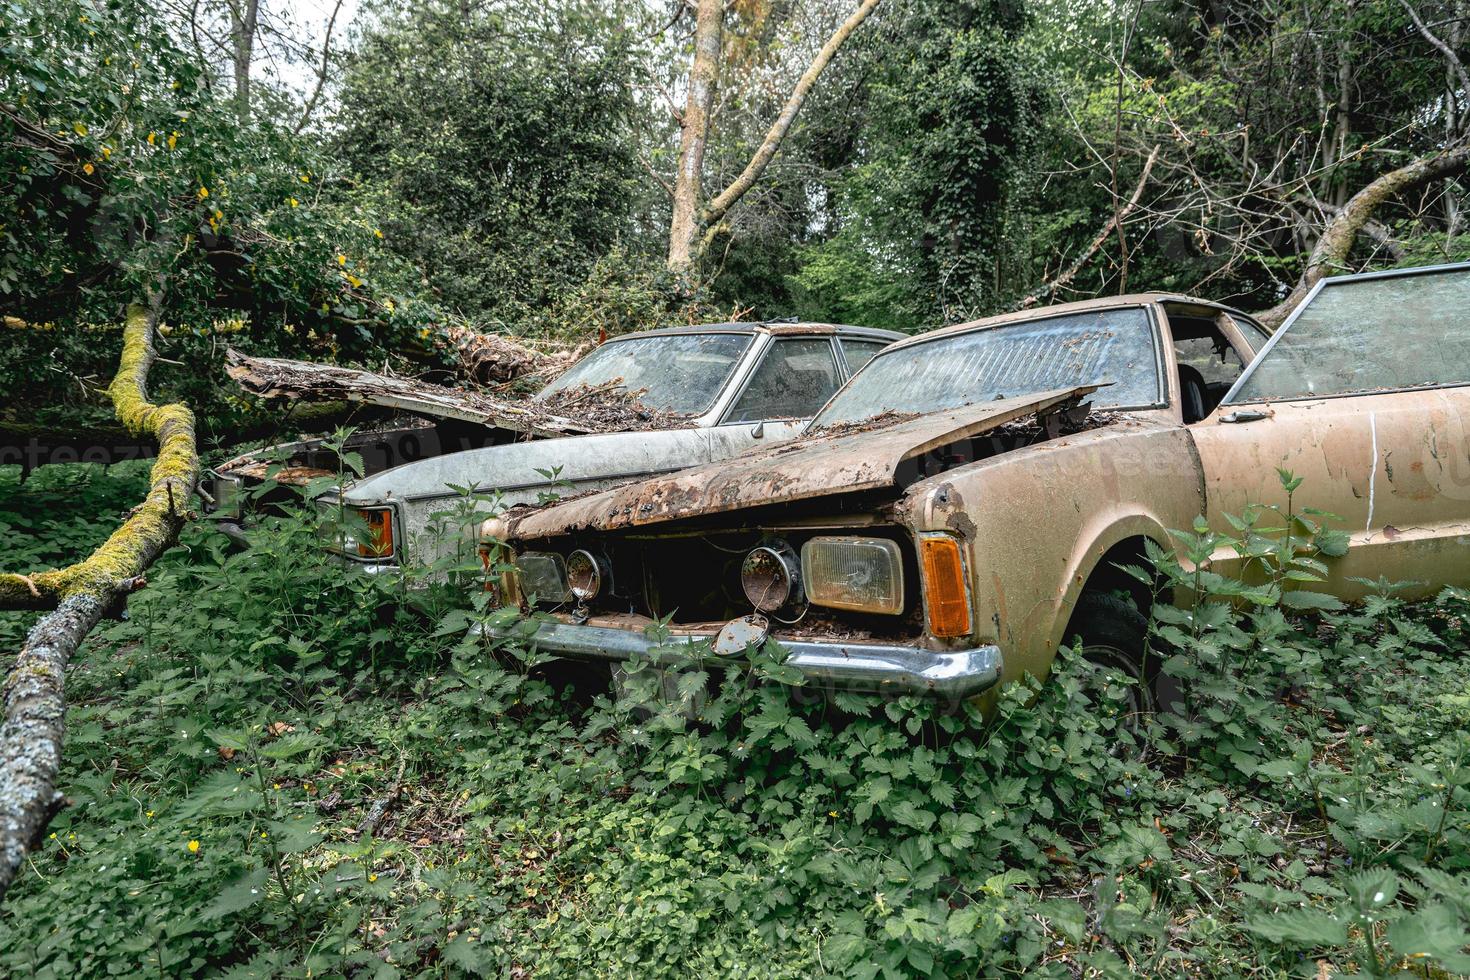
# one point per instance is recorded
(31, 733)
(155, 523)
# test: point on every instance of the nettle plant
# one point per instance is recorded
(1228, 654)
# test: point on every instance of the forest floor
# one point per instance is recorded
(276, 768)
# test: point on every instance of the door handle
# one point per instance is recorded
(1245, 415)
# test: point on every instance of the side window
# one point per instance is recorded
(1208, 365)
(794, 380)
(859, 352)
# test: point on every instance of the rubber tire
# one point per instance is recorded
(1113, 634)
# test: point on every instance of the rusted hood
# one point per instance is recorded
(816, 465)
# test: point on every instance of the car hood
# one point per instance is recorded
(821, 463)
(552, 464)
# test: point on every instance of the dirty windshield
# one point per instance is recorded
(1370, 335)
(1114, 346)
(681, 372)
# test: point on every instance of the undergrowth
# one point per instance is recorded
(278, 768)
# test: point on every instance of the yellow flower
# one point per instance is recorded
(294, 202)
(53, 835)
(354, 280)
(341, 260)
(203, 191)
(371, 878)
(107, 153)
(87, 169)
(152, 139)
(193, 846)
(150, 814)
(79, 129)
(378, 232)
(832, 813)
(305, 179)
(173, 141)
(424, 332)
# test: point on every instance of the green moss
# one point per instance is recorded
(153, 524)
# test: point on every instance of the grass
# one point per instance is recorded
(230, 745)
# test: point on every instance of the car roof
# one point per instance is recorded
(1080, 306)
(780, 328)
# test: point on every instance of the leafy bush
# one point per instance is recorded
(229, 742)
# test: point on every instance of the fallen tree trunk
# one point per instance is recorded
(1331, 252)
(34, 705)
(274, 377)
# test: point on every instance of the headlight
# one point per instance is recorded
(770, 577)
(586, 574)
(861, 574)
(365, 532)
(543, 577)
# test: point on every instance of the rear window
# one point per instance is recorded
(1361, 336)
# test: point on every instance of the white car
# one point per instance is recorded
(728, 387)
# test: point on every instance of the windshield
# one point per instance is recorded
(681, 372)
(1367, 335)
(1114, 346)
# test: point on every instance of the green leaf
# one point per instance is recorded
(242, 893)
(1433, 931)
(1299, 927)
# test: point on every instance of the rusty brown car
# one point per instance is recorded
(960, 508)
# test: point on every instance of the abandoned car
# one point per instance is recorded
(714, 390)
(960, 508)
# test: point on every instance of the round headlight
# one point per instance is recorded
(770, 577)
(586, 574)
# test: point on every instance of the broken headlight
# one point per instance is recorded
(861, 574)
(770, 577)
(587, 575)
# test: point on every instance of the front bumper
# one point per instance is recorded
(869, 667)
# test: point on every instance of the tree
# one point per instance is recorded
(504, 144)
(692, 217)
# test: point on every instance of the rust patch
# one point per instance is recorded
(815, 466)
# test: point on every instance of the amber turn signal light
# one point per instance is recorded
(944, 586)
(380, 534)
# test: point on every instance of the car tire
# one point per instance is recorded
(1113, 635)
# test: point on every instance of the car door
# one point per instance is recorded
(1363, 394)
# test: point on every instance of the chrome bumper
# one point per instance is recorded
(870, 667)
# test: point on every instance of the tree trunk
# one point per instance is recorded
(244, 17)
(34, 706)
(689, 219)
(703, 76)
(1331, 252)
(777, 133)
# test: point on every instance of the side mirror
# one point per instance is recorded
(758, 431)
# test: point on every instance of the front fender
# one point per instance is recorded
(1037, 522)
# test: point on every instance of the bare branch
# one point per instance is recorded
(777, 133)
(1101, 237)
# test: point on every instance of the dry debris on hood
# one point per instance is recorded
(880, 421)
(490, 359)
(609, 407)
